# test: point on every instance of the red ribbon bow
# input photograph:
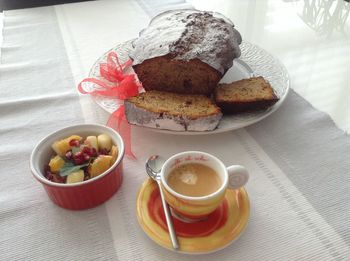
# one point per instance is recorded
(124, 86)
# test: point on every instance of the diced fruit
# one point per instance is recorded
(100, 165)
(92, 152)
(57, 178)
(87, 150)
(92, 142)
(78, 160)
(74, 143)
(84, 155)
(56, 164)
(104, 142)
(62, 146)
(74, 137)
(79, 154)
(48, 174)
(114, 154)
(75, 177)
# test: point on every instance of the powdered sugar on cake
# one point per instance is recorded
(189, 34)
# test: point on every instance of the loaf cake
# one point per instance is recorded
(245, 95)
(185, 51)
(178, 112)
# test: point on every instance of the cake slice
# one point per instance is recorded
(178, 112)
(245, 95)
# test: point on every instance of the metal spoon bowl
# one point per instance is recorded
(154, 165)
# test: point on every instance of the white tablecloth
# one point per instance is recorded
(298, 159)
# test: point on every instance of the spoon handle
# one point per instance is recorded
(169, 221)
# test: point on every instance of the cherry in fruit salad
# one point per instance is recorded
(77, 159)
(74, 143)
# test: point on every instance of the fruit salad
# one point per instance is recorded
(77, 159)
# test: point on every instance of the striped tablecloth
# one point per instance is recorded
(298, 160)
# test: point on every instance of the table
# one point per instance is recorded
(297, 157)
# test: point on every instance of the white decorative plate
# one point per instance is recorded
(254, 61)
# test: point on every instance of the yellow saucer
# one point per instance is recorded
(220, 229)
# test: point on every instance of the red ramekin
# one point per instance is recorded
(86, 194)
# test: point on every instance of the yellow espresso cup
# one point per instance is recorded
(232, 177)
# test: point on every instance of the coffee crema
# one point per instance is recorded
(194, 180)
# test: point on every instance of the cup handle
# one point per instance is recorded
(237, 176)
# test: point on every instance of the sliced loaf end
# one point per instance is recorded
(245, 95)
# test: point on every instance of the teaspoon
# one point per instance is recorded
(153, 167)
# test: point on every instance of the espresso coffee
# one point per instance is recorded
(194, 180)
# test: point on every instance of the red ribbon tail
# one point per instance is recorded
(118, 122)
(124, 86)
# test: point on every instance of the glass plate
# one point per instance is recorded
(254, 61)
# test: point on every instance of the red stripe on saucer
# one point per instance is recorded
(203, 228)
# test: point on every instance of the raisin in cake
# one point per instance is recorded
(245, 95)
(185, 51)
(178, 112)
